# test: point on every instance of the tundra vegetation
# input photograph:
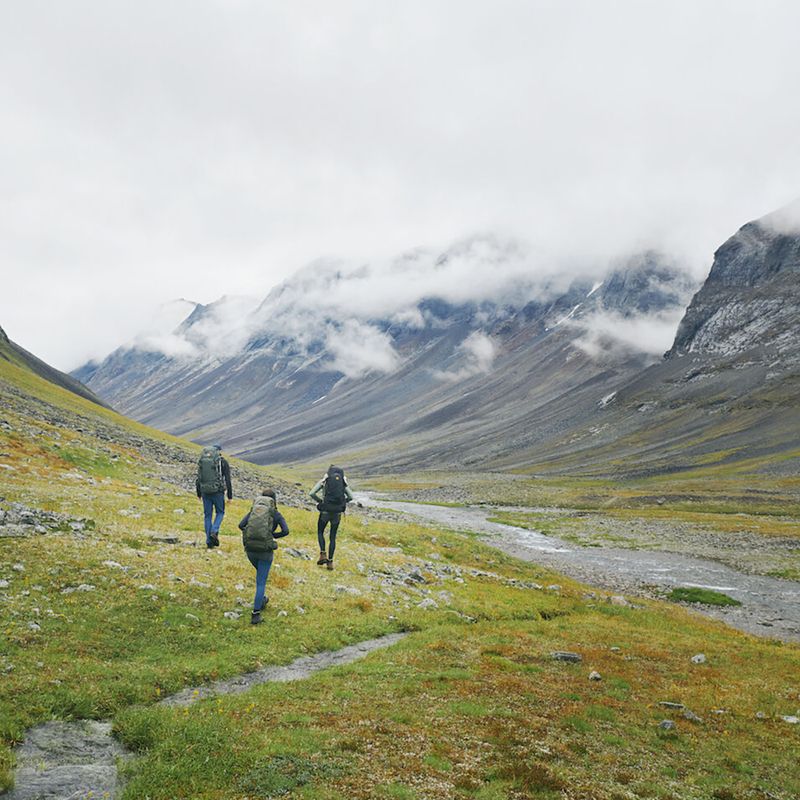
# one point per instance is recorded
(109, 605)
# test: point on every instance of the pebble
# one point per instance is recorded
(283, 613)
(192, 617)
(791, 720)
(351, 590)
(618, 600)
(231, 615)
(760, 715)
(34, 626)
(699, 659)
(554, 587)
(691, 716)
(666, 725)
(295, 553)
(300, 609)
(675, 706)
(18, 567)
(147, 587)
(595, 676)
(4, 584)
(428, 604)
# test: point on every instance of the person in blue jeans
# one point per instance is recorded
(213, 480)
(262, 560)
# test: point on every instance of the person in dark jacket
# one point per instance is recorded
(330, 504)
(215, 500)
(262, 560)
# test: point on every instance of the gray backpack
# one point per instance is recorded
(257, 536)
(209, 471)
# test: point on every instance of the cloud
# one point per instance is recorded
(358, 349)
(476, 355)
(202, 148)
(607, 335)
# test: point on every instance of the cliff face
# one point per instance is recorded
(751, 299)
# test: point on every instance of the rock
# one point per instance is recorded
(760, 715)
(618, 600)
(231, 615)
(445, 597)
(691, 716)
(239, 587)
(178, 511)
(699, 659)
(18, 567)
(200, 584)
(147, 587)
(563, 655)
(615, 649)
(283, 613)
(554, 587)
(295, 553)
(595, 676)
(791, 720)
(113, 565)
(351, 590)
(192, 617)
(300, 609)
(34, 626)
(165, 539)
(4, 584)
(666, 725)
(428, 604)
(674, 706)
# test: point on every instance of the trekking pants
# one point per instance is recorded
(262, 563)
(211, 503)
(334, 517)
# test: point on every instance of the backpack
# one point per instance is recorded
(257, 535)
(209, 471)
(334, 499)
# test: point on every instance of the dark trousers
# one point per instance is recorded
(213, 503)
(325, 517)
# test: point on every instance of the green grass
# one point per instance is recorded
(708, 597)
(457, 709)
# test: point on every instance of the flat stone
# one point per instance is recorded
(675, 706)
(563, 655)
(699, 659)
(295, 553)
(595, 676)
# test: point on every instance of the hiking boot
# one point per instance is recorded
(329, 563)
(255, 617)
(214, 541)
(264, 603)
(323, 558)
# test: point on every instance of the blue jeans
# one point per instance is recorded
(262, 563)
(211, 503)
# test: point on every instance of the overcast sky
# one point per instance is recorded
(156, 150)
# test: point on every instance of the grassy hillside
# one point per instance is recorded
(102, 618)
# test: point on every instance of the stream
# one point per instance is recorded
(770, 606)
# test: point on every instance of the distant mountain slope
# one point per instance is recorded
(17, 355)
(440, 382)
(728, 389)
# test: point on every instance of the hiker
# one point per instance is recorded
(259, 529)
(335, 496)
(213, 479)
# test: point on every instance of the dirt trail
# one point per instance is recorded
(78, 760)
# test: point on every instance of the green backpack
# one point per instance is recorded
(209, 471)
(257, 536)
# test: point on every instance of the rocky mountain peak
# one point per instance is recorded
(751, 298)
